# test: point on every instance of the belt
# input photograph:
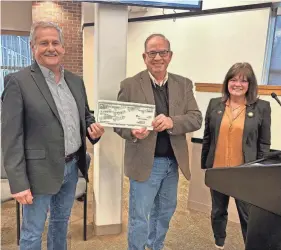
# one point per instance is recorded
(70, 157)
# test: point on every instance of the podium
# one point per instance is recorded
(259, 184)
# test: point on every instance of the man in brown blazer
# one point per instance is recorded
(152, 157)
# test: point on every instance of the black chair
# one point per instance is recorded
(80, 195)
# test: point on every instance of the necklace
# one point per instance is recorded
(233, 109)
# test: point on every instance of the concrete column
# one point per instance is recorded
(110, 54)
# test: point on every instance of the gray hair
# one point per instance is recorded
(43, 24)
(156, 35)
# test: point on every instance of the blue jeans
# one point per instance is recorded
(152, 205)
(60, 204)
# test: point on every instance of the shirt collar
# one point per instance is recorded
(162, 83)
(47, 73)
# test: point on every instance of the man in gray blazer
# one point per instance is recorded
(152, 157)
(45, 120)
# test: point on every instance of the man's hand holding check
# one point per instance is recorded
(160, 123)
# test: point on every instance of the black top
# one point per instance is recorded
(163, 145)
(256, 135)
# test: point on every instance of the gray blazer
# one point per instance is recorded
(256, 135)
(32, 133)
(183, 110)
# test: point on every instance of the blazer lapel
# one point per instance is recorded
(76, 92)
(172, 91)
(43, 87)
(249, 122)
(219, 111)
(147, 87)
(173, 95)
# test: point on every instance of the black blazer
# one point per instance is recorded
(256, 135)
(32, 134)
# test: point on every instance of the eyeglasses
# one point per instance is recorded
(234, 80)
(162, 53)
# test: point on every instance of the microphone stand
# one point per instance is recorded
(279, 103)
(275, 97)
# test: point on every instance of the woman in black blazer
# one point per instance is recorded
(237, 130)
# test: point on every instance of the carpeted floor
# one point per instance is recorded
(189, 230)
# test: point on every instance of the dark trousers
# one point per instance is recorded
(219, 216)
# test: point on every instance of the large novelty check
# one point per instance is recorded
(125, 114)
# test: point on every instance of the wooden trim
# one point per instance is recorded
(208, 87)
(268, 89)
(15, 32)
(216, 88)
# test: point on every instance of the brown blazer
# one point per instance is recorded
(256, 135)
(183, 110)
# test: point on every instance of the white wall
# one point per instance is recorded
(211, 4)
(88, 63)
(88, 12)
(16, 15)
(154, 12)
(88, 16)
(207, 4)
(206, 46)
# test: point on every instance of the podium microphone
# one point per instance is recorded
(274, 96)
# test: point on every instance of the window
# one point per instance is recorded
(275, 62)
(15, 53)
